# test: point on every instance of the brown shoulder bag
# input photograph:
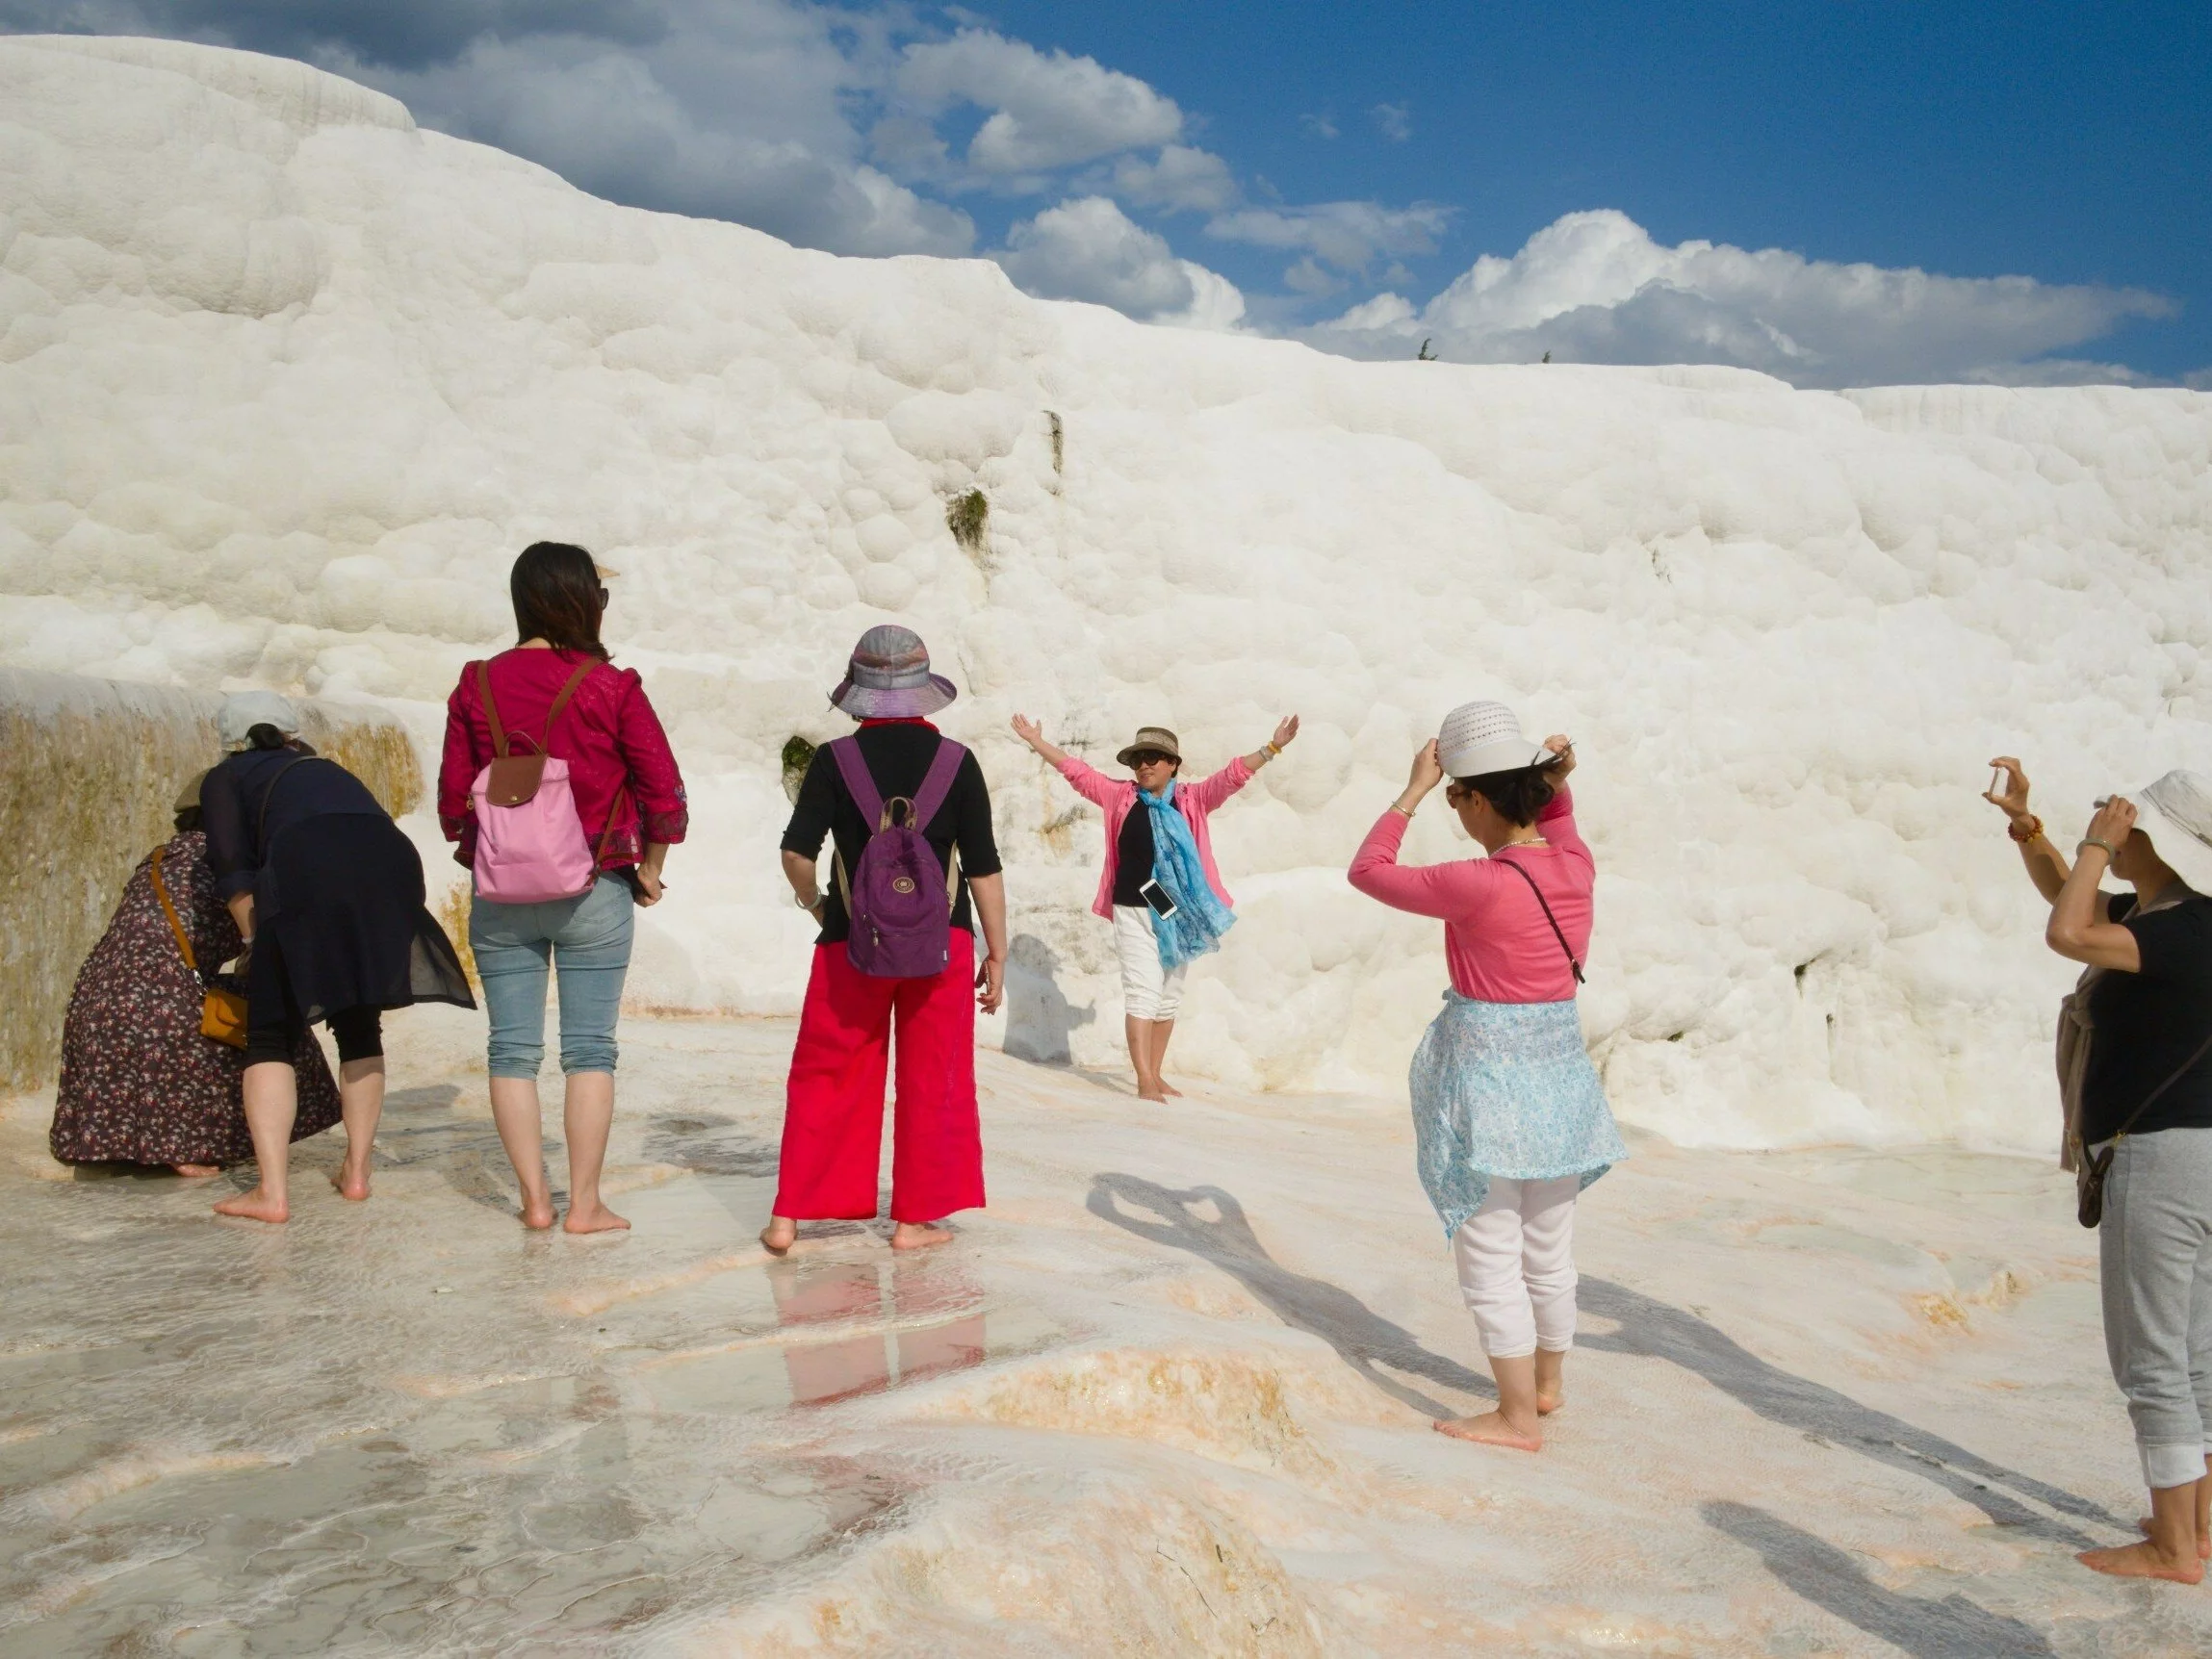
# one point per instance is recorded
(221, 1012)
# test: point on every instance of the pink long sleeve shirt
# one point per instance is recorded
(1496, 941)
(1116, 796)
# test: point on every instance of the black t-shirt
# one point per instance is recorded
(2145, 1025)
(898, 757)
(1133, 855)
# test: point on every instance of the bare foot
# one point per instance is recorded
(257, 1206)
(1490, 1429)
(918, 1235)
(537, 1213)
(2204, 1540)
(2142, 1560)
(599, 1219)
(197, 1171)
(1548, 1402)
(778, 1236)
(352, 1185)
(1170, 1089)
(1152, 1094)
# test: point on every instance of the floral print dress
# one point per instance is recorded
(140, 1084)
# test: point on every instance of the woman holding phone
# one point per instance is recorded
(1160, 887)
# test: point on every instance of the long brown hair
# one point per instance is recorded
(558, 597)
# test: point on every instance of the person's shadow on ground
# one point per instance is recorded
(1368, 1342)
(1952, 1628)
(1376, 1348)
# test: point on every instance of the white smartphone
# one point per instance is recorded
(1156, 895)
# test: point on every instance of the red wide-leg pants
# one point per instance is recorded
(833, 1104)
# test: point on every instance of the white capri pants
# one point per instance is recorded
(1517, 1266)
(1149, 992)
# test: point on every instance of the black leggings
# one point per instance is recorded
(360, 1035)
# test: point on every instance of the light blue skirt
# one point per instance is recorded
(1505, 1091)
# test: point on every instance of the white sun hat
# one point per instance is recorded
(244, 710)
(1479, 737)
(2176, 813)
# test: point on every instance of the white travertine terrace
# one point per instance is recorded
(286, 381)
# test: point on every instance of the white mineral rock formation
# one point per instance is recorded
(288, 381)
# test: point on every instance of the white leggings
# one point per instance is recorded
(1517, 1266)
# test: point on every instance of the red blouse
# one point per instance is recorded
(608, 734)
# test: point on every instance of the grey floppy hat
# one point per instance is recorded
(888, 678)
(2176, 813)
(244, 710)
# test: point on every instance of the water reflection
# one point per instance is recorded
(891, 1297)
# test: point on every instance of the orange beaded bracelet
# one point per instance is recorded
(2033, 829)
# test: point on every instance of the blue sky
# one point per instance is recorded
(1499, 180)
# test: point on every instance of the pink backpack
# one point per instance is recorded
(530, 847)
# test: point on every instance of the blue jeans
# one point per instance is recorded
(588, 938)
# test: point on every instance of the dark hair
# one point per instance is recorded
(264, 735)
(558, 597)
(1517, 794)
(188, 820)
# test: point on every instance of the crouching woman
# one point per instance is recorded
(1509, 1121)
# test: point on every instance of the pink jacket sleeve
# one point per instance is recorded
(1093, 785)
(1557, 822)
(457, 770)
(1209, 793)
(1450, 892)
(654, 782)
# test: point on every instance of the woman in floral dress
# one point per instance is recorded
(139, 1084)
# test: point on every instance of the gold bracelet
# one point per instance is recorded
(1407, 810)
(1274, 751)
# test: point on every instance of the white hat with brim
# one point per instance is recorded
(2176, 813)
(1478, 738)
(244, 710)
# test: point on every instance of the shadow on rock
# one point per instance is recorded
(1952, 1628)
(1038, 1016)
(1662, 1331)
(1367, 1342)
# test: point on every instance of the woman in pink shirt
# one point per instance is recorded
(1159, 888)
(1509, 1121)
(557, 692)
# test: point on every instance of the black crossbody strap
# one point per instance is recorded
(1514, 866)
(2187, 1066)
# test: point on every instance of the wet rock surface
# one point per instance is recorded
(1169, 1393)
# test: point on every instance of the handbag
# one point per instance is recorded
(1514, 866)
(221, 1010)
(2090, 1173)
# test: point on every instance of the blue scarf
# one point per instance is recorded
(1200, 919)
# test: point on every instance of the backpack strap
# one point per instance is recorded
(491, 709)
(567, 691)
(853, 768)
(1514, 864)
(936, 782)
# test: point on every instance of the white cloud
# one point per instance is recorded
(1348, 235)
(1180, 178)
(1394, 121)
(1321, 126)
(1049, 110)
(773, 152)
(1308, 278)
(1089, 248)
(1595, 287)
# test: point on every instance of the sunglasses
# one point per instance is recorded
(1150, 757)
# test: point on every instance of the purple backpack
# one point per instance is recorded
(901, 917)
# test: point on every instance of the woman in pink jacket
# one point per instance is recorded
(1160, 887)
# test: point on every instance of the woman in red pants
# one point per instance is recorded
(834, 1108)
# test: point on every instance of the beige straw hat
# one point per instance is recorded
(1153, 737)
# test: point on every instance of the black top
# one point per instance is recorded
(1133, 853)
(232, 796)
(2146, 1024)
(898, 757)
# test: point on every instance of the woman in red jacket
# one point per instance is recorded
(558, 688)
